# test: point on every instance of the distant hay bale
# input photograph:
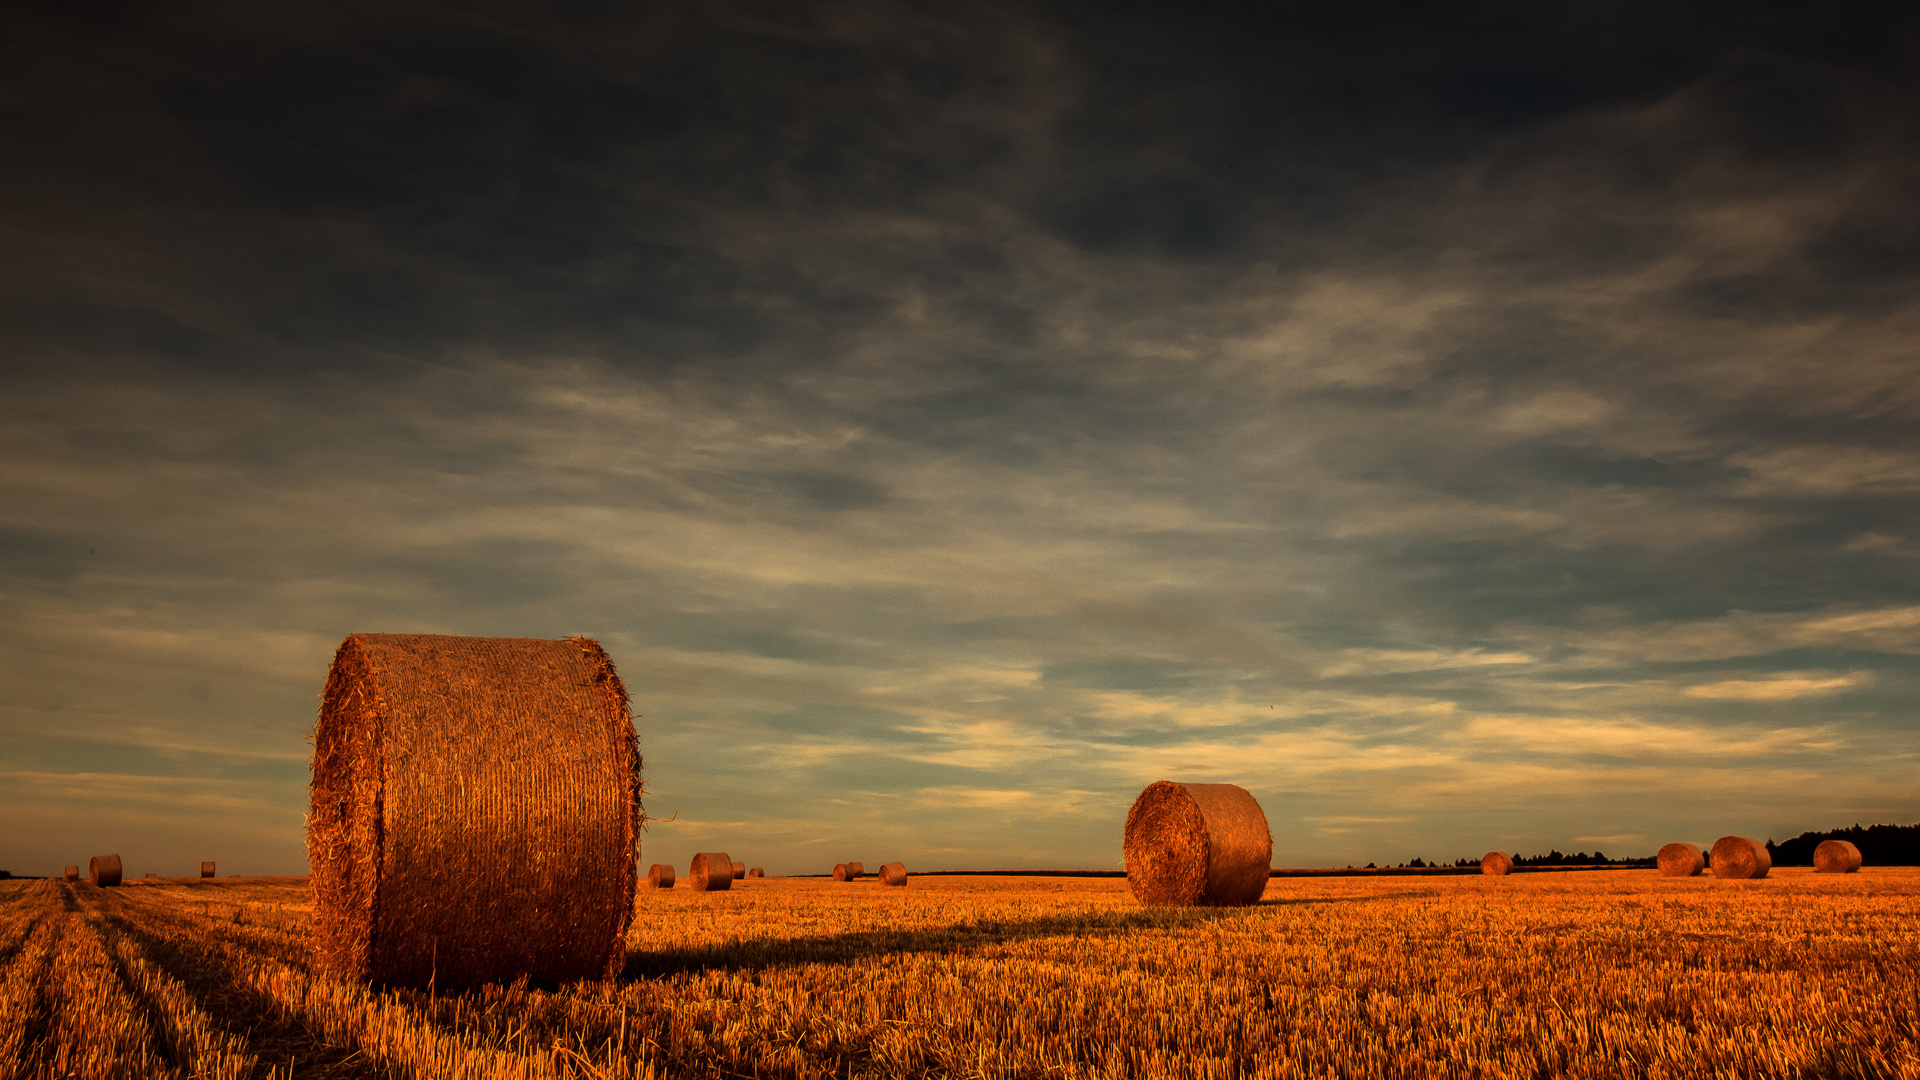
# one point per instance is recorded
(840, 872)
(739, 870)
(1836, 857)
(1681, 860)
(1740, 857)
(104, 870)
(475, 811)
(856, 871)
(711, 871)
(206, 869)
(660, 876)
(1197, 844)
(756, 872)
(73, 873)
(893, 873)
(1496, 864)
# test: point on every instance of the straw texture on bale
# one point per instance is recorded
(739, 870)
(104, 870)
(1680, 860)
(756, 872)
(1197, 844)
(1740, 857)
(206, 869)
(712, 871)
(893, 873)
(1496, 863)
(660, 876)
(73, 873)
(475, 811)
(1836, 857)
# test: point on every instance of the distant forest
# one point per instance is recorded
(1880, 845)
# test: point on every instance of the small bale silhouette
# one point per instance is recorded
(104, 870)
(712, 871)
(1836, 857)
(475, 812)
(660, 876)
(1680, 860)
(1496, 864)
(1197, 844)
(893, 873)
(73, 873)
(1740, 857)
(206, 869)
(739, 870)
(756, 872)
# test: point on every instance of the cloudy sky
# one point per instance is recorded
(1465, 426)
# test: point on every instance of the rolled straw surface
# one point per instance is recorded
(756, 872)
(856, 871)
(1496, 863)
(104, 870)
(893, 873)
(739, 870)
(475, 803)
(73, 873)
(840, 872)
(1680, 860)
(1190, 844)
(1740, 857)
(1836, 857)
(660, 876)
(711, 871)
(206, 869)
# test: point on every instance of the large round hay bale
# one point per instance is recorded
(1836, 857)
(739, 870)
(840, 872)
(475, 811)
(711, 871)
(1680, 860)
(756, 872)
(893, 873)
(1190, 844)
(1740, 857)
(73, 873)
(104, 870)
(660, 876)
(206, 869)
(1496, 864)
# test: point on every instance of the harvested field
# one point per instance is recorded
(1579, 975)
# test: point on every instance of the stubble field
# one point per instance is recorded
(1616, 973)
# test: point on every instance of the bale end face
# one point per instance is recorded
(1836, 857)
(206, 869)
(1740, 858)
(739, 870)
(840, 872)
(1197, 844)
(73, 873)
(660, 876)
(104, 870)
(712, 871)
(1680, 860)
(893, 873)
(1496, 864)
(756, 872)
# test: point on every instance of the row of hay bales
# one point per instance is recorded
(105, 871)
(1738, 858)
(704, 874)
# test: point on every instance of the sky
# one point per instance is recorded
(1467, 427)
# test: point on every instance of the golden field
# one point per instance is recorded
(1615, 973)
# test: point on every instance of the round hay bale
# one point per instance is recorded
(1496, 864)
(660, 876)
(1740, 857)
(739, 870)
(104, 870)
(206, 869)
(711, 871)
(840, 872)
(1680, 860)
(756, 872)
(1197, 844)
(475, 804)
(893, 873)
(1836, 857)
(856, 871)
(73, 873)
